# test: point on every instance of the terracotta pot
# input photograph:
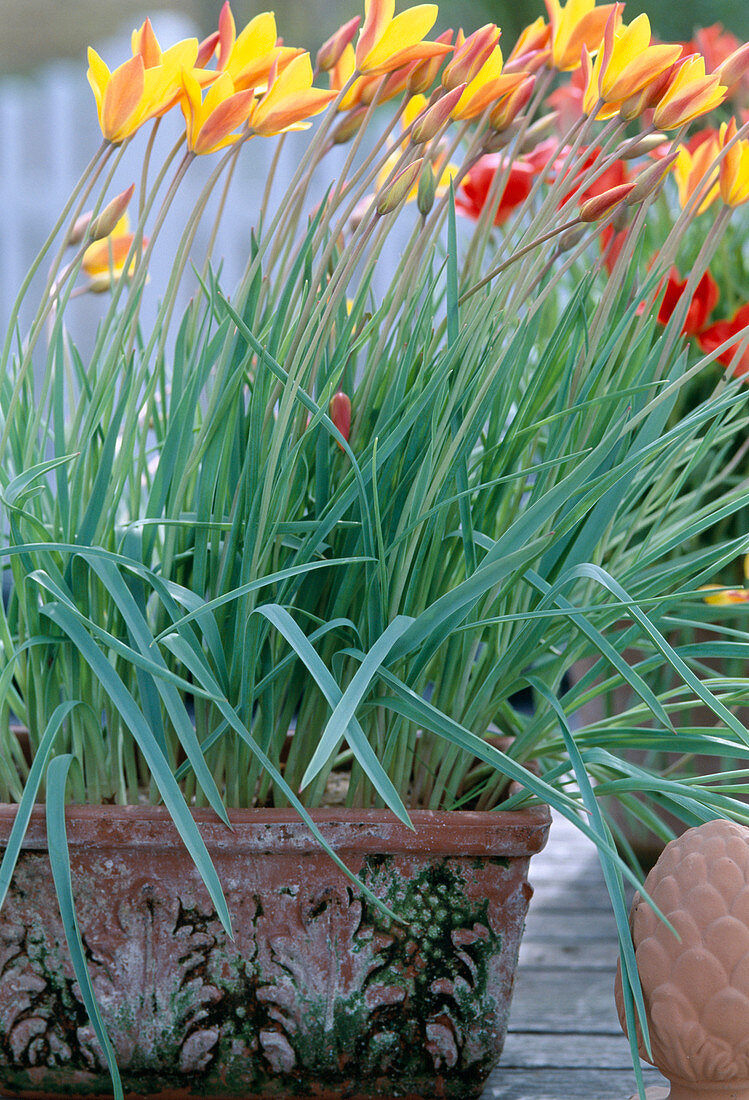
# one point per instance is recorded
(319, 994)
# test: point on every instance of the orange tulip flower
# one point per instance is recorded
(249, 57)
(733, 177)
(212, 122)
(627, 63)
(388, 41)
(290, 100)
(579, 23)
(689, 94)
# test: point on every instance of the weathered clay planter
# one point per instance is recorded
(319, 995)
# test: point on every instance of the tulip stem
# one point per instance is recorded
(516, 256)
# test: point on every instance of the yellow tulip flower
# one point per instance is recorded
(689, 94)
(626, 64)
(691, 171)
(249, 57)
(734, 168)
(290, 100)
(532, 49)
(487, 87)
(144, 87)
(212, 122)
(579, 23)
(727, 596)
(129, 95)
(388, 41)
(104, 261)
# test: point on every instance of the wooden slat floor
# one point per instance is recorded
(564, 1041)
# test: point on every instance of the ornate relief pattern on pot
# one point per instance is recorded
(318, 985)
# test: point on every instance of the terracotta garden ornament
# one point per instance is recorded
(696, 988)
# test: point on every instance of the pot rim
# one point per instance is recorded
(494, 833)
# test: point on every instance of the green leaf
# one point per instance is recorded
(31, 788)
(345, 708)
(254, 586)
(365, 754)
(59, 858)
(162, 776)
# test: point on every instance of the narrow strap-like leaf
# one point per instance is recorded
(30, 790)
(59, 858)
(357, 739)
(158, 766)
(345, 708)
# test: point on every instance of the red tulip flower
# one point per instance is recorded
(715, 335)
(614, 176)
(474, 190)
(703, 302)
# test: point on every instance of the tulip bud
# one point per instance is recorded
(648, 181)
(540, 129)
(571, 237)
(500, 139)
(427, 190)
(80, 228)
(393, 194)
(734, 67)
(331, 51)
(470, 56)
(648, 143)
(340, 413)
(508, 109)
(104, 223)
(601, 205)
(529, 62)
(349, 125)
(431, 120)
(424, 73)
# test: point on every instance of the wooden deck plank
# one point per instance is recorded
(552, 1084)
(564, 1040)
(536, 955)
(541, 1050)
(557, 1000)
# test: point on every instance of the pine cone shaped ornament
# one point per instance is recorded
(697, 991)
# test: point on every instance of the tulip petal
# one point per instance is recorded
(122, 97)
(223, 120)
(403, 32)
(227, 33)
(98, 77)
(145, 42)
(377, 15)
